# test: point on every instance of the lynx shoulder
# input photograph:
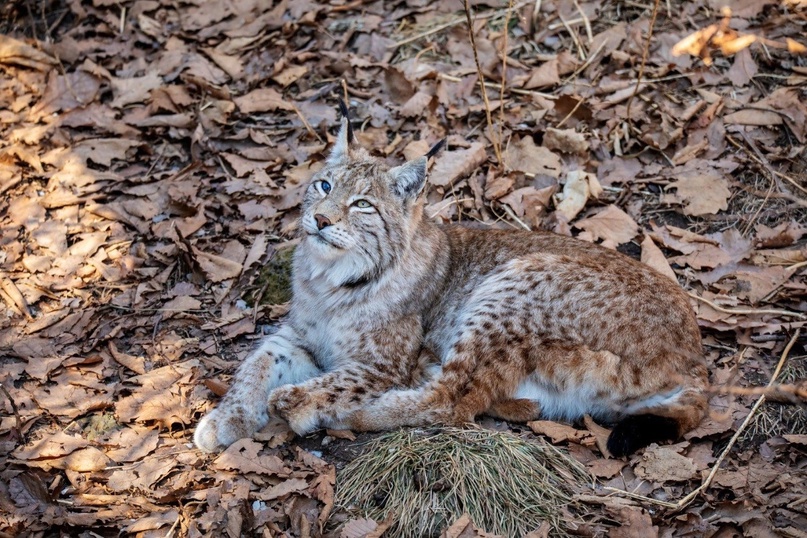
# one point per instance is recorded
(396, 321)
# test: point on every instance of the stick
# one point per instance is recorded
(14, 409)
(496, 144)
(748, 311)
(504, 74)
(644, 60)
(449, 24)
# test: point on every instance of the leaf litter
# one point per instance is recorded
(152, 160)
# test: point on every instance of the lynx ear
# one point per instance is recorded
(344, 139)
(408, 179)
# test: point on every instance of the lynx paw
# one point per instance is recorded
(294, 405)
(223, 426)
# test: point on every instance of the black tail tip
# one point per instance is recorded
(638, 431)
(435, 148)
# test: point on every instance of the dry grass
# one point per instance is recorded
(776, 419)
(426, 479)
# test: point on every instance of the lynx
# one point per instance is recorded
(397, 321)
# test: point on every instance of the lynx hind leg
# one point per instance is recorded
(243, 410)
(515, 410)
(667, 422)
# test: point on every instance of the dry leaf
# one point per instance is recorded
(262, 100)
(242, 456)
(524, 156)
(662, 464)
(574, 196)
(565, 141)
(702, 189)
(652, 256)
(557, 432)
(216, 268)
(612, 225)
(452, 165)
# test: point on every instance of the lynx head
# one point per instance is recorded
(358, 214)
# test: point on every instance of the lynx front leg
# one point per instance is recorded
(243, 410)
(382, 359)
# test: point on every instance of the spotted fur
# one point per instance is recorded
(397, 321)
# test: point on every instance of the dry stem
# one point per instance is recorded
(645, 51)
(496, 143)
(748, 311)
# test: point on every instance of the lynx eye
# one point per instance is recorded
(363, 204)
(325, 186)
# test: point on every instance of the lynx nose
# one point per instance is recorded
(322, 221)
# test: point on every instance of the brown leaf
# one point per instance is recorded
(66, 92)
(292, 485)
(565, 141)
(557, 432)
(141, 475)
(600, 434)
(662, 464)
(612, 225)
(653, 257)
(701, 189)
(743, 69)
(452, 165)
(524, 156)
(52, 446)
(153, 522)
(242, 456)
(135, 89)
(290, 74)
(543, 76)
(635, 523)
(262, 100)
(15, 52)
(575, 194)
(602, 468)
(753, 116)
(216, 268)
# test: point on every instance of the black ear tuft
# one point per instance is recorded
(345, 111)
(435, 148)
(638, 431)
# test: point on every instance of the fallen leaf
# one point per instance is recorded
(702, 189)
(557, 432)
(242, 456)
(524, 156)
(612, 225)
(662, 464)
(653, 257)
(262, 100)
(565, 141)
(452, 165)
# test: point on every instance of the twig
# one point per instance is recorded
(517, 91)
(748, 311)
(763, 162)
(782, 393)
(14, 409)
(455, 22)
(645, 51)
(586, 22)
(504, 73)
(307, 125)
(496, 145)
(716, 467)
(512, 215)
(580, 50)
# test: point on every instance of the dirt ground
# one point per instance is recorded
(153, 154)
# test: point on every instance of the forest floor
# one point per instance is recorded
(153, 155)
